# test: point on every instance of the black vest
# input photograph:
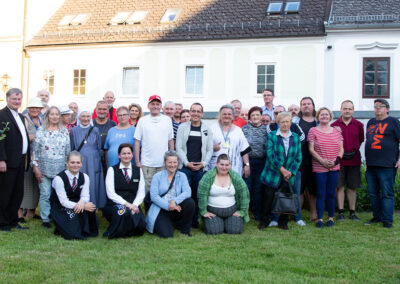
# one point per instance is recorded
(73, 195)
(124, 189)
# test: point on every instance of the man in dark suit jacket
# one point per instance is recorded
(13, 150)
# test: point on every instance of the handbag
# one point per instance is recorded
(147, 198)
(85, 139)
(349, 155)
(285, 202)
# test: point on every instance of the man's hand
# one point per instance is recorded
(217, 147)
(246, 171)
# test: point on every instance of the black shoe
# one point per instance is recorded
(188, 234)
(36, 217)
(330, 223)
(387, 225)
(340, 217)
(262, 226)
(372, 221)
(319, 224)
(5, 229)
(354, 217)
(21, 220)
(46, 225)
(19, 227)
(283, 227)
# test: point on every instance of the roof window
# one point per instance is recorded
(119, 18)
(274, 7)
(170, 15)
(78, 20)
(137, 17)
(292, 7)
(66, 20)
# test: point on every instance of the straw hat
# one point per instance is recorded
(35, 102)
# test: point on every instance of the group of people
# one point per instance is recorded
(159, 171)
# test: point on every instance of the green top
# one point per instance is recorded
(242, 195)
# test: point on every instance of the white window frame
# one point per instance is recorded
(187, 95)
(165, 20)
(46, 80)
(140, 15)
(255, 74)
(79, 77)
(123, 95)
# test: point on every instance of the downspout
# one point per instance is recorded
(24, 55)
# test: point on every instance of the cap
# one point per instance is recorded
(35, 102)
(65, 110)
(155, 97)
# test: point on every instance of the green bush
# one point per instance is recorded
(363, 201)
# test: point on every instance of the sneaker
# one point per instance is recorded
(319, 224)
(301, 223)
(330, 223)
(354, 217)
(19, 227)
(273, 224)
(340, 217)
(372, 221)
(387, 225)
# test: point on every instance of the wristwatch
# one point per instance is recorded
(247, 164)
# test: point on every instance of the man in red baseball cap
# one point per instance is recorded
(154, 136)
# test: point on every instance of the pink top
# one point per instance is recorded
(326, 145)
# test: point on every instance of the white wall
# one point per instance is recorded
(344, 63)
(229, 66)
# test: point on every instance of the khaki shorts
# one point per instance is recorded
(148, 173)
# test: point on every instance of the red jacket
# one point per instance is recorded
(114, 115)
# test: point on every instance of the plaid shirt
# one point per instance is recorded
(276, 158)
(242, 195)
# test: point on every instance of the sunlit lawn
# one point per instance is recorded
(349, 252)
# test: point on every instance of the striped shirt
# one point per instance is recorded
(326, 145)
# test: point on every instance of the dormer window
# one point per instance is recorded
(66, 20)
(292, 7)
(78, 20)
(274, 7)
(170, 15)
(137, 17)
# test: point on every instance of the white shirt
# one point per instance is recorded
(222, 197)
(110, 187)
(154, 132)
(21, 127)
(58, 185)
(285, 140)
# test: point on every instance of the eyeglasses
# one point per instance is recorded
(379, 106)
(123, 114)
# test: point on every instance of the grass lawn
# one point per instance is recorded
(347, 253)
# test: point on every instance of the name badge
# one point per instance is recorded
(135, 180)
(226, 145)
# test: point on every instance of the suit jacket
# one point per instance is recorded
(11, 146)
(276, 158)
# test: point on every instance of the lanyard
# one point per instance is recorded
(40, 122)
(227, 134)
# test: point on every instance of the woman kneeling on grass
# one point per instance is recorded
(72, 213)
(223, 199)
(170, 193)
(125, 192)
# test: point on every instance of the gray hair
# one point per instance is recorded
(170, 153)
(282, 115)
(45, 123)
(284, 109)
(13, 91)
(293, 105)
(236, 101)
(170, 103)
(43, 90)
(74, 153)
(227, 106)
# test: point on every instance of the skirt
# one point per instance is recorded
(31, 191)
(122, 222)
(74, 226)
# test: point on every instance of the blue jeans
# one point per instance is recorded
(254, 185)
(194, 178)
(44, 199)
(380, 184)
(296, 190)
(326, 189)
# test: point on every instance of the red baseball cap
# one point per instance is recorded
(155, 97)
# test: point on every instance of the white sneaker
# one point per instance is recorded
(273, 224)
(301, 223)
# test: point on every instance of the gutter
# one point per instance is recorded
(338, 27)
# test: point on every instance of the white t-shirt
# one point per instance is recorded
(154, 134)
(232, 144)
(222, 197)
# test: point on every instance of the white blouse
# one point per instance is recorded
(110, 187)
(222, 197)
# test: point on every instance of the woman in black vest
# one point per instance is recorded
(125, 192)
(72, 213)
